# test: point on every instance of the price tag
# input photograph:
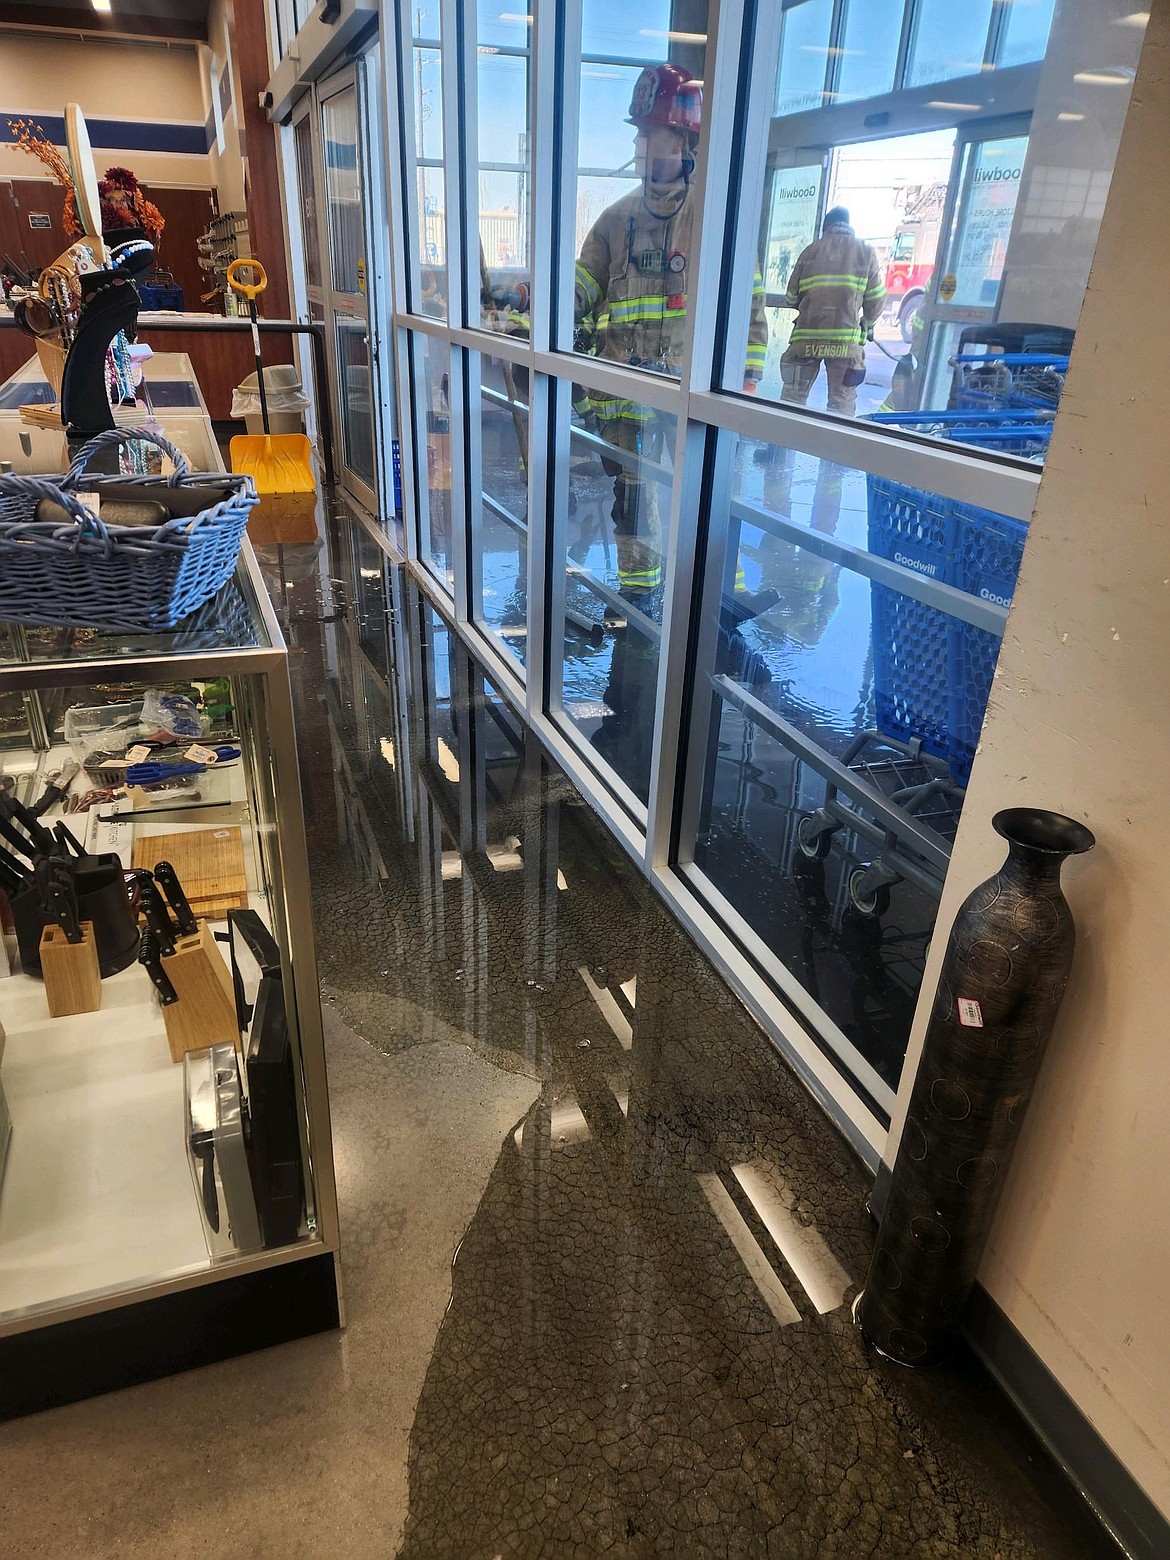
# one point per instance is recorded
(92, 501)
(201, 755)
(970, 1013)
(137, 754)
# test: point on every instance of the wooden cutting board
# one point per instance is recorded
(210, 864)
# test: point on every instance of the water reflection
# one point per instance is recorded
(672, 1234)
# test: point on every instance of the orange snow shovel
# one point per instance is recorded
(280, 462)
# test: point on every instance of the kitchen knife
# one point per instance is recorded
(168, 880)
(154, 907)
(17, 812)
(57, 789)
(63, 908)
(150, 957)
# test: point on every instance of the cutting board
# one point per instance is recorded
(210, 864)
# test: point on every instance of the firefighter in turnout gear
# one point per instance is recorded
(632, 281)
(837, 291)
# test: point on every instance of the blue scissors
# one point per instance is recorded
(154, 771)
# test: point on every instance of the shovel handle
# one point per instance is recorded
(250, 290)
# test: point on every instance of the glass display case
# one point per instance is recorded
(166, 1175)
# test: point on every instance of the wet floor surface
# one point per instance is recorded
(599, 1246)
(648, 1347)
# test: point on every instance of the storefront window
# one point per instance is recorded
(948, 40)
(343, 187)
(431, 365)
(804, 55)
(851, 631)
(642, 101)
(430, 196)
(500, 564)
(931, 280)
(869, 48)
(502, 89)
(612, 568)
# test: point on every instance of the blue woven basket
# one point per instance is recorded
(128, 578)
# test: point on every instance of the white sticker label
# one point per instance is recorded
(92, 501)
(970, 1013)
(201, 755)
(137, 755)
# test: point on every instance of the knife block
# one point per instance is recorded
(205, 1013)
(73, 979)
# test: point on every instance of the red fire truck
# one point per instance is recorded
(911, 263)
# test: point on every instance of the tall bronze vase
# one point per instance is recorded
(1003, 978)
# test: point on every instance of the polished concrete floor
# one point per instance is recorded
(599, 1245)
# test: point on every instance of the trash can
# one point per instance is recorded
(286, 400)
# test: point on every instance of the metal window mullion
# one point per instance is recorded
(551, 583)
(545, 84)
(725, 23)
(425, 325)
(564, 101)
(997, 485)
(472, 447)
(377, 286)
(415, 490)
(459, 440)
(398, 236)
(540, 507)
(749, 156)
(996, 32)
(677, 627)
(451, 74)
(696, 725)
(902, 60)
(404, 134)
(517, 349)
(467, 148)
(836, 43)
(615, 379)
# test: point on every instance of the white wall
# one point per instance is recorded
(227, 167)
(1079, 720)
(1071, 151)
(151, 83)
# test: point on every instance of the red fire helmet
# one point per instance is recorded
(667, 95)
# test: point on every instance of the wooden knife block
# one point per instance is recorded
(205, 1013)
(73, 980)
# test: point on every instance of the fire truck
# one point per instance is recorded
(911, 263)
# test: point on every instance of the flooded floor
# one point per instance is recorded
(599, 1245)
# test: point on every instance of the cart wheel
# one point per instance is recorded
(814, 843)
(875, 903)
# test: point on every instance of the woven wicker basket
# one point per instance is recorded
(128, 578)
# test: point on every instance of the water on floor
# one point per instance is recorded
(648, 1347)
(599, 1246)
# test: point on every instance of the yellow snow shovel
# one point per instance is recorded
(281, 462)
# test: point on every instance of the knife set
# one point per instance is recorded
(244, 1125)
(186, 968)
(74, 914)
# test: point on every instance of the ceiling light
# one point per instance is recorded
(958, 108)
(1070, 117)
(515, 16)
(105, 6)
(818, 48)
(675, 37)
(1111, 76)
(1135, 19)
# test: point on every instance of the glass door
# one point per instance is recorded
(984, 187)
(348, 282)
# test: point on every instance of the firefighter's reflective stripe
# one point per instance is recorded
(626, 310)
(639, 579)
(847, 280)
(610, 409)
(589, 285)
(848, 333)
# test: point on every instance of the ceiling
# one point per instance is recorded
(181, 20)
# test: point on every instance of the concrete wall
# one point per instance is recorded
(1079, 720)
(143, 84)
(1071, 151)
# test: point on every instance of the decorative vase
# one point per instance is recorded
(1003, 978)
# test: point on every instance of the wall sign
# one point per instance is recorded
(39, 219)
